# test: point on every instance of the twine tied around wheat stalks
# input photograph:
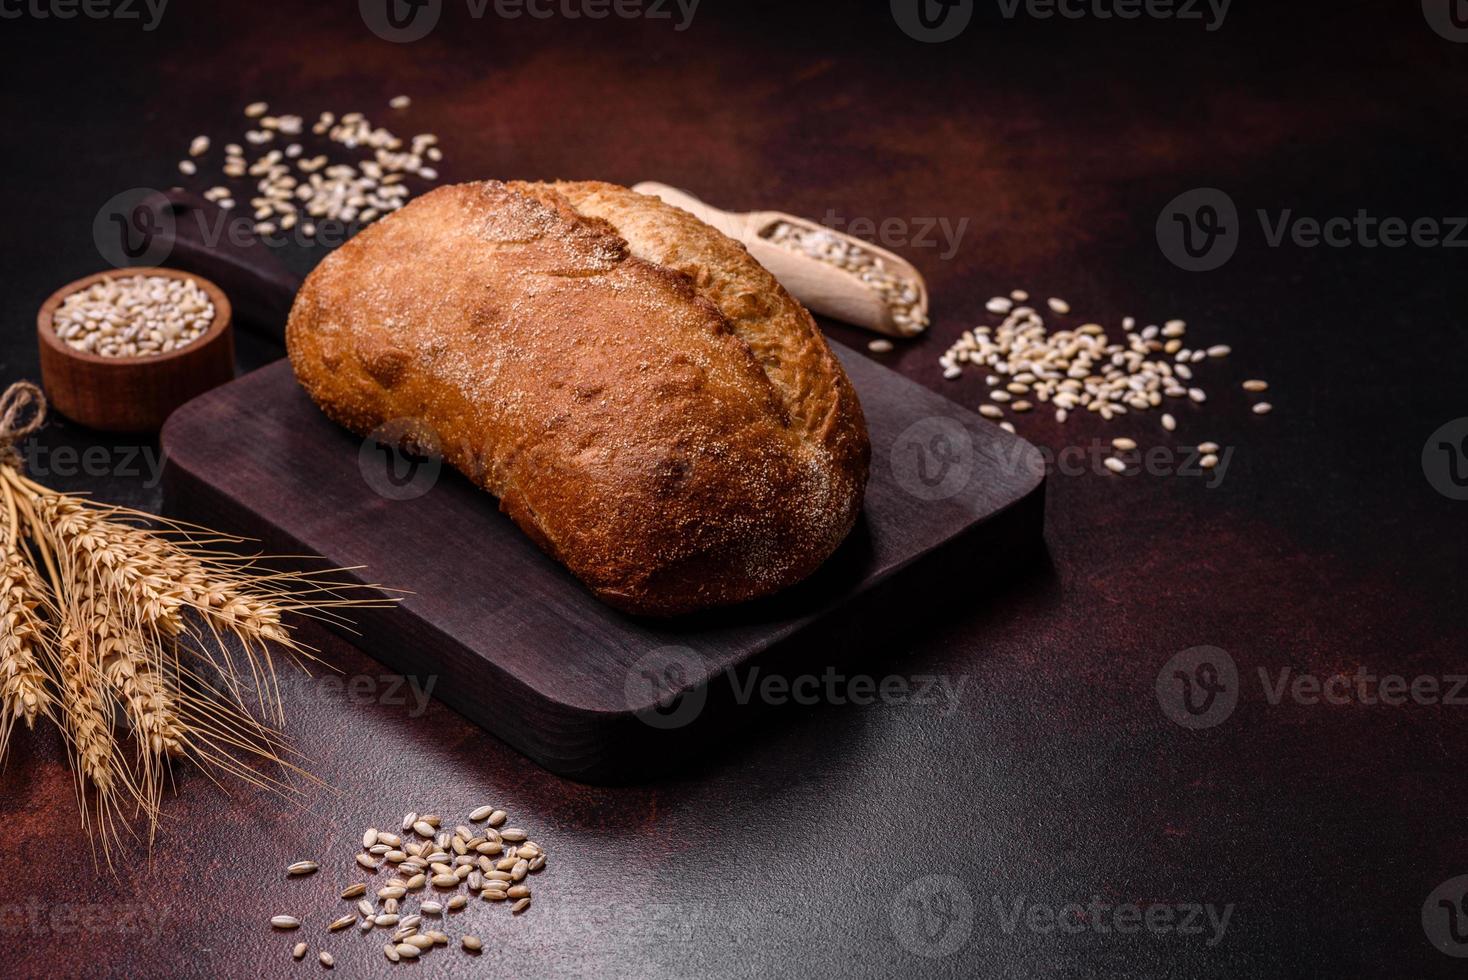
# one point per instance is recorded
(144, 641)
(22, 413)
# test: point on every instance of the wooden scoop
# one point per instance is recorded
(823, 286)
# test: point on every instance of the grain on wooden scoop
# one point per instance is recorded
(898, 293)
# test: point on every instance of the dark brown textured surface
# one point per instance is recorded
(1055, 777)
(515, 642)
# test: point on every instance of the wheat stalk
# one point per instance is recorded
(22, 632)
(23, 694)
(145, 641)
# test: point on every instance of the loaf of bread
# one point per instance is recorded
(645, 400)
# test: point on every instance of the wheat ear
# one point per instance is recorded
(23, 694)
(129, 631)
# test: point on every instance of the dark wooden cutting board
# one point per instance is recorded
(512, 640)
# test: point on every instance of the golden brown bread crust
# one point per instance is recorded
(645, 400)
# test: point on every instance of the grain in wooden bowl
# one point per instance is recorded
(120, 350)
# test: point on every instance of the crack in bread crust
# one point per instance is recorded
(644, 399)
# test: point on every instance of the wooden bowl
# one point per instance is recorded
(132, 394)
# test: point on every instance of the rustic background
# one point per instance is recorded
(799, 845)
